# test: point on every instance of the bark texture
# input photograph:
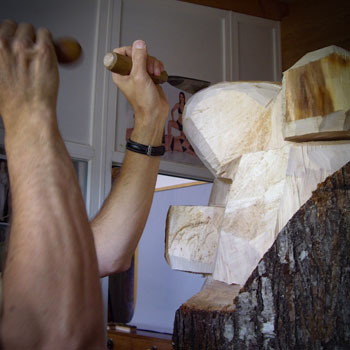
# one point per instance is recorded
(298, 297)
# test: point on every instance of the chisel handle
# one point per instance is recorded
(122, 65)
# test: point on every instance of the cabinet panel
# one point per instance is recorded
(187, 38)
(256, 48)
(255, 61)
(66, 18)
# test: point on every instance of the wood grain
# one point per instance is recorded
(311, 25)
(139, 340)
(316, 94)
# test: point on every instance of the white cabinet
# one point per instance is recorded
(66, 18)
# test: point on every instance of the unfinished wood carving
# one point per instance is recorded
(258, 188)
(192, 237)
(290, 256)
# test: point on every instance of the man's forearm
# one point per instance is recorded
(120, 223)
(51, 275)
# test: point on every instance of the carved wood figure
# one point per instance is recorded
(258, 140)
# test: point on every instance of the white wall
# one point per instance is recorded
(161, 290)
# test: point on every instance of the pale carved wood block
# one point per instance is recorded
(317, 96)
(309, 164)
(192, 237)
(268, 189)
(250, 219)
(227, 120)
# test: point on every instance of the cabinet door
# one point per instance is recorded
(188, 38)
(256, 52)
(191, 40)
(66, 18)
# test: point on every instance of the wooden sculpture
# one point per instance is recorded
(258, 140)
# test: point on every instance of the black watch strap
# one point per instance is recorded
(143, 149)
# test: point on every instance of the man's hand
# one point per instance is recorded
(28, 72)
(147, 99)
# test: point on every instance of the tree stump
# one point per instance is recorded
(298, 297)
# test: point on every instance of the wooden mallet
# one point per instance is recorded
(68, 50)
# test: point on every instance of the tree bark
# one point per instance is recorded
(298, 297)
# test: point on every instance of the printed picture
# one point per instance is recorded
(177, 146)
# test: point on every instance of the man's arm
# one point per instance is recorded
(51, 290)
(118, 226)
